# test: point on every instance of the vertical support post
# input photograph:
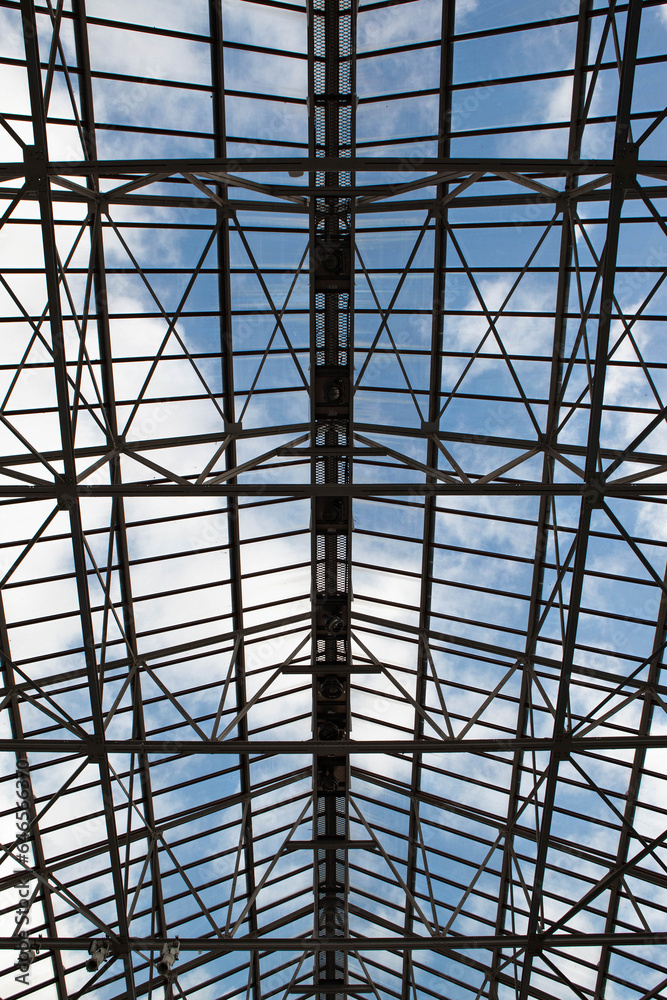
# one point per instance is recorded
(435, 385)
(231, 460)
(592, 465)
(546, 512)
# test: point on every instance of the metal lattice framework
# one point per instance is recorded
(333, 488)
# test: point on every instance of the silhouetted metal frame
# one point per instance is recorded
(65, 492)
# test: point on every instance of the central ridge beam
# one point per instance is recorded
(331, 34)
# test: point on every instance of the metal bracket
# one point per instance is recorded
(35, 168)
(626, 165)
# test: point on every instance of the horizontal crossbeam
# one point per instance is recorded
(587, 744)
(436, 942)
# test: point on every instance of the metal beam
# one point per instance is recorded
(591, 469)
(573, 744)
(500, 489)
(438, 943)
(548, 166)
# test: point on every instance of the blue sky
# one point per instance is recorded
(477, 596)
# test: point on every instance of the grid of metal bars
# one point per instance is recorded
(333, 487)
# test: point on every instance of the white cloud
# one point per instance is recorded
(170, 416)
(409, 22)
(464, 8)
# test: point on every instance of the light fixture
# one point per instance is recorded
(330, 730)
(331, 687)
(170, 952)
(334, 624)
(328, 780)
(99, 952)
(333, 391)
(334, 261)
(332, 512)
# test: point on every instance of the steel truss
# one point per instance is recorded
(333, 588)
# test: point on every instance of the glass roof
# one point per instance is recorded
(333, 473)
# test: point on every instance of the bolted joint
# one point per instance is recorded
(563, 746)
(593, 491)
(66, 501)
(626, 165)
